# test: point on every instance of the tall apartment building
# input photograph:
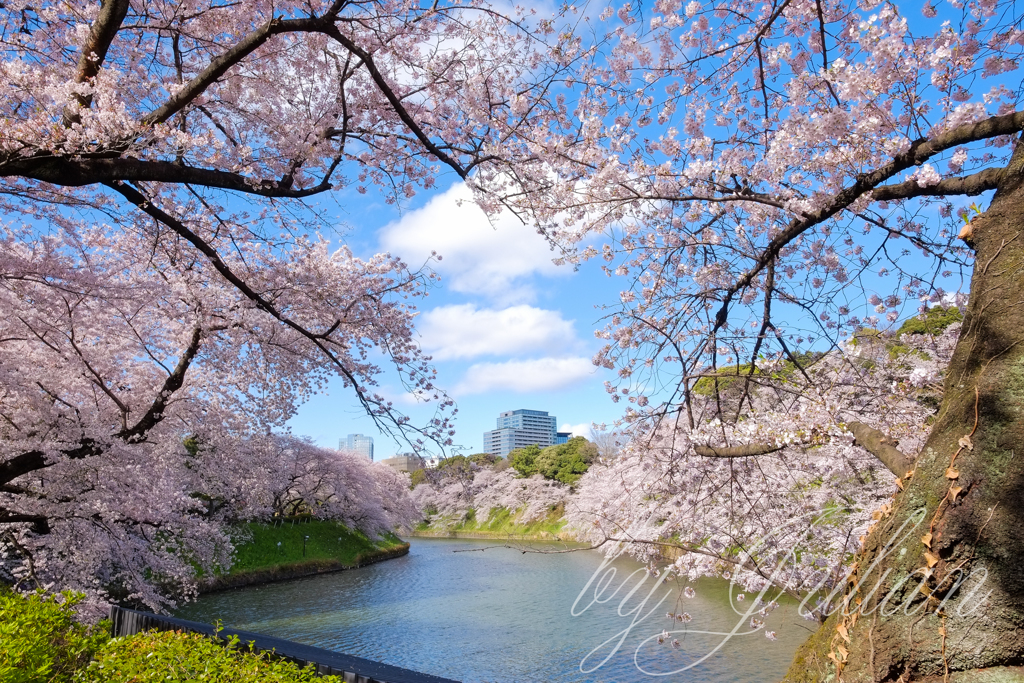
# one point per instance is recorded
(521, 428)
(357, 443)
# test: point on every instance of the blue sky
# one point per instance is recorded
(507, 328)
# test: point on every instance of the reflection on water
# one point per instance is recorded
(500, 615)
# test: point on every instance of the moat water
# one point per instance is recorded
(467, 610)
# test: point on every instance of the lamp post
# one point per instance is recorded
(304, 539)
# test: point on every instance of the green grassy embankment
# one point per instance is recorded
(501, 524)
(273, 552)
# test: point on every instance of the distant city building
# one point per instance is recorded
(522, 428)
(357, 443)
(404, 462)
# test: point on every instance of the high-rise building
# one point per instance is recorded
(357, 443)
(522, 428)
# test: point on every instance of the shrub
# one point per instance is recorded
(40, 640)
(455, 464)
(176, 657)
(567, 462)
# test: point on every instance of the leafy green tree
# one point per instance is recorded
(484, 459)
(417, 477)
(524, 460)
(565, 462)
(455, 464)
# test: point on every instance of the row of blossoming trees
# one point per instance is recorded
(182, 510)
(754, 168)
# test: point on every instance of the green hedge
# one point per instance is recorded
(175, 657)
(40, 641)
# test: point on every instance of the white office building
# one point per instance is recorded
(522, 428)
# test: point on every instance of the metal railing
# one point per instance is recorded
(126, 622)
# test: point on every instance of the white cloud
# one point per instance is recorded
(583, 429)
(541, 374)
(478, 257)
(465, 331)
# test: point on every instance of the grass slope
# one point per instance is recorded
(274, 552)
(264, 546)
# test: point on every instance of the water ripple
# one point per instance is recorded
(499, 616)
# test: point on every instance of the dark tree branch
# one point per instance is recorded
(173, 382)
(101, 35)
(872, 440)
(33, 461)
(20, 465)
(881, 446)
(143, 204)
(766, 321)
(824, 51)
(220, 65)
(85, 171)
(975, 184)
(744, 451)
(919, 152)
(40, 524)
(396, 102)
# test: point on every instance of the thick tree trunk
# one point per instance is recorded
(907, 617)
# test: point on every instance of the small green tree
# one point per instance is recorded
(524, 460)
(417, 477)
(484, 459)
(567, 462)
(455, 464)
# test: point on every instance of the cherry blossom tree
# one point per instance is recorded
(163, 280)
(448, 495)
(773, 176)
(700, 498)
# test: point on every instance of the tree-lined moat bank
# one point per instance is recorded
(296, 548)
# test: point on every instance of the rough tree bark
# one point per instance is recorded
(944, 601)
